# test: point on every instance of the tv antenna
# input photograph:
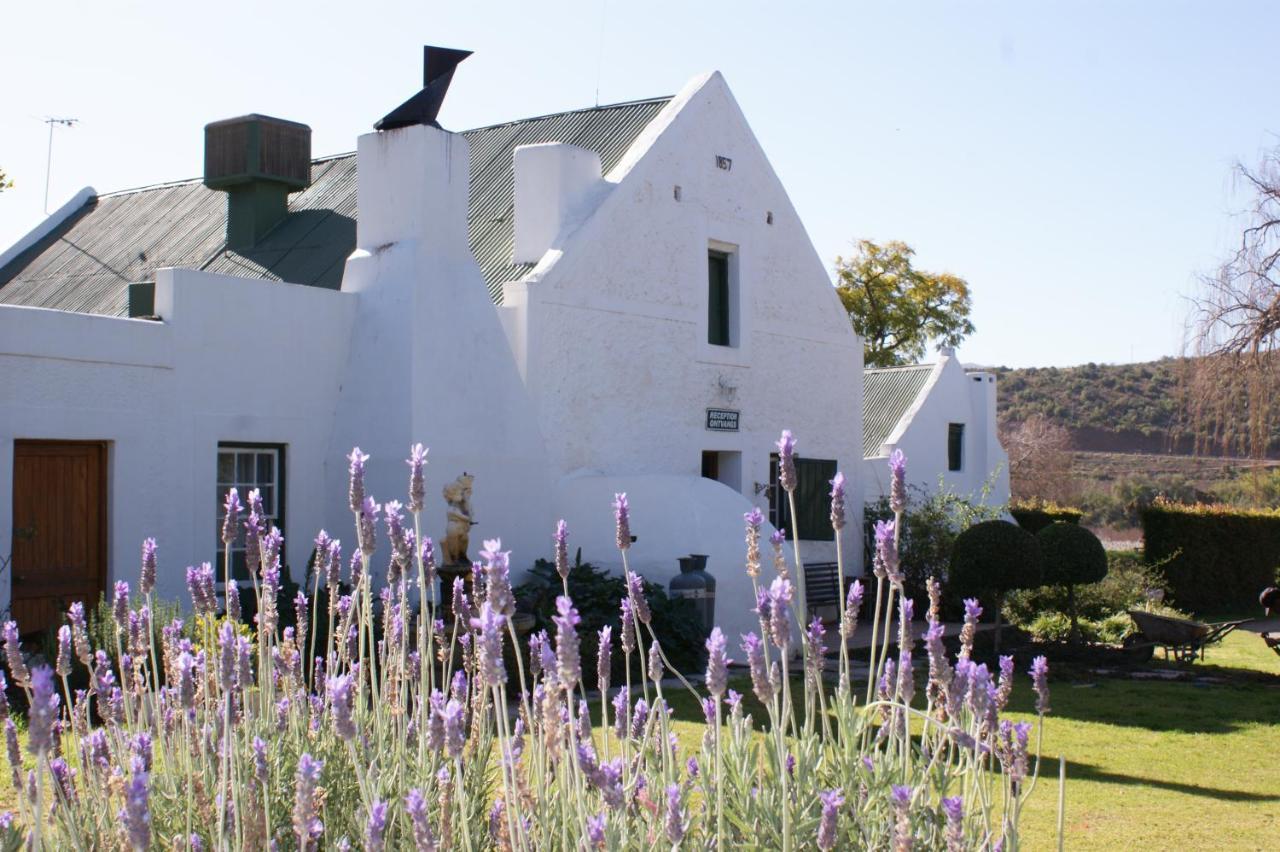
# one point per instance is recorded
(48, 160)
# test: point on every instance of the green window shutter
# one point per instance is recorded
(955, 446)
(718, 298)
(813, 499)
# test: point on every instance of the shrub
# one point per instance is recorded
(596, 593)
(1217, 557)
(993, 558)
(1073, 556)
(1035, 515)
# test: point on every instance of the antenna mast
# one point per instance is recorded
(48, 161)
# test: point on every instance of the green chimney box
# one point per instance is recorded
(257, 160)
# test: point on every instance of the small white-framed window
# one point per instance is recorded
(245, 467)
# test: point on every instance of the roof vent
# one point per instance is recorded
(437, 72)
(257, 160)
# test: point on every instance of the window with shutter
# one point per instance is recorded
(813, 499)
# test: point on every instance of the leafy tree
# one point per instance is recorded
(1073, 556)
(993, 558)
(898, 309)
(5, 183)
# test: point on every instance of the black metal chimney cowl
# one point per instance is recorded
(438, 64)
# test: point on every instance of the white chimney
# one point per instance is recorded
(555, 187)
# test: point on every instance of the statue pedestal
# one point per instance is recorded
(448, 573)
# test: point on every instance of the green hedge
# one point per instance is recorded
(1218, 557)
(1035, 515)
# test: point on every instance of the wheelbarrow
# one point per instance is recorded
(1183, 638)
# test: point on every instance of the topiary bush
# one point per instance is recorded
(1073, 556)
(993, 558)
(1035, 515)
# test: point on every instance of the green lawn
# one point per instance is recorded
(1166, 765)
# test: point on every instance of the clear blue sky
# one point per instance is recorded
(1071, 160)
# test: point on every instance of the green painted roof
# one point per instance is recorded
(87, 263)
(887, 394)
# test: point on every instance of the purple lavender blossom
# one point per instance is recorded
(136, 813)
(604, 654)
(227, 657)
(852, 605)
(1005, 689)
(902, 839)
(415, 804)
(628, 638)
(260, 772)
(417, 481)
(568, 660)
(887, 551)
(761, 685)
(200, 585)
(561, 539)
(231, 509)
(621, 712)
(14, 752)
(787, 461)
(461, 604)
(898, 488)
(306, 804)
(675, 815)
(375, 828)
(1040, 682)
(368, 517)
(953, 809)
(44, 711)
(832, 801)
(595, 831)
(63, 665)
(639, 603)
(355, 493)
(639, 718)
(837, 502)
(79, 632)
(120, 605)
(622, 521)
(233, 601)
(147, 578)
(64, 780)
(717, 663)
(754, 520)
(656, 670)
(333, 567)
(455, 737)
(780, 595)
(489, 644)
(497, 577)
(341, 693)
(906, 677)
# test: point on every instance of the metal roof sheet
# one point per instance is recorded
(887, 394)
(87, 263)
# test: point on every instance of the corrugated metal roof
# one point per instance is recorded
(887, 393)
(88, 262)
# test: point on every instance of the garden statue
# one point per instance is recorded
(458, 531)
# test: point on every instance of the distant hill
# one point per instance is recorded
(1107, 407)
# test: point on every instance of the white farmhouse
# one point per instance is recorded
(943, 418)
(616, 299)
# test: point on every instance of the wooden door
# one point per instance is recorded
(59, 529)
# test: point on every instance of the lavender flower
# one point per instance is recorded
(761, 685)
(972, 612)
(595, 831)
(603, 658)
(940, 671)
(852, 606)
(717, 663)
(44, 711)
(656, 670)
(14, 752)
(63, 665)
(902, 839)
(561, 539)
(424, 839)
(815, 652)
(455, 737)
(355, 493)
(200, 585)
(333, 567)
(417, 482)
(120, 605)
(461, 604)
(621, 712)
(227, 657)
(306, 804)
(233, 601)
(898, 488)
(887, 551)
(368, 516)
(953, 809)
(375, 827)
(231, 516)
(639, 603)
(622, 521)
(147, 578)
(837, 502)
(341, 694)
(568, 661)
(832, 801)
(1040, 682)
(489, 644)
(675, 815)
(639, 718)
(754, 520)
(79, 632)
(628, 639)
(1005, 689)
(780, 595)
(136, 813)
(787, 461)
(260, 772)
(778, 538)
(64, 778)
(497, 577)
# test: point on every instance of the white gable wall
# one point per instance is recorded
(950, 396)
(611, 332)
